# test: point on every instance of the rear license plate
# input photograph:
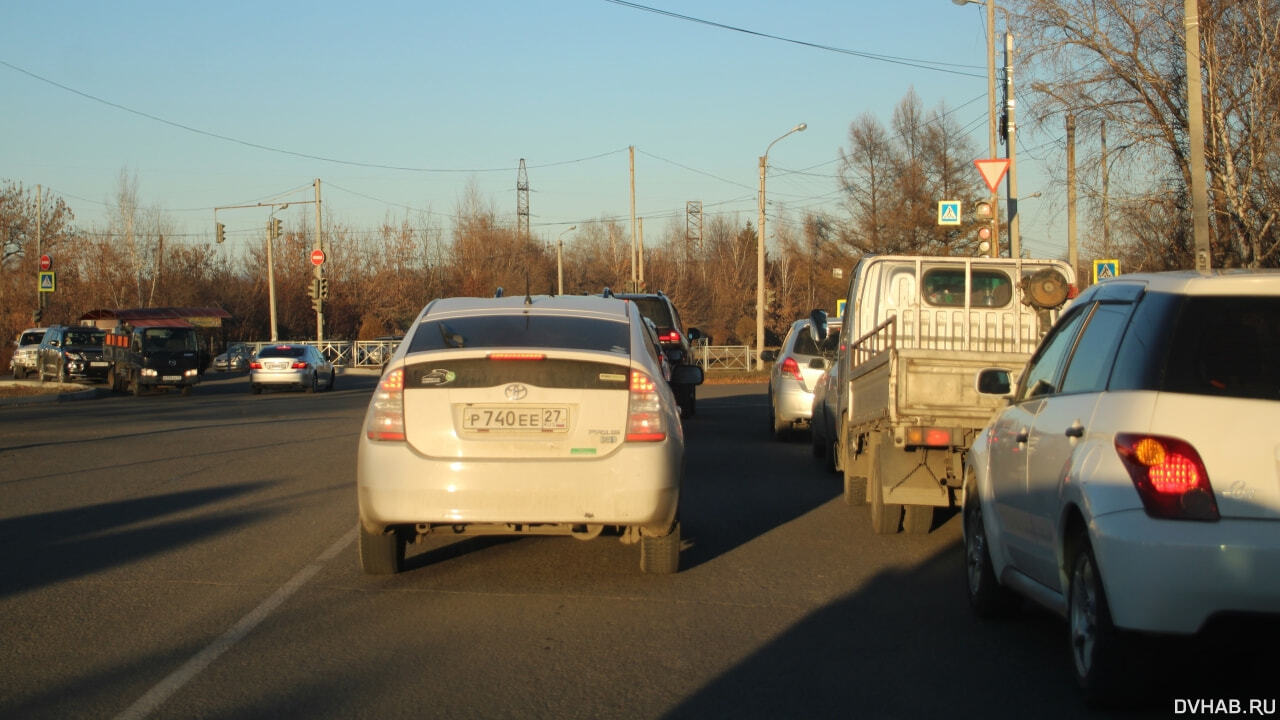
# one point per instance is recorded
(515, 418)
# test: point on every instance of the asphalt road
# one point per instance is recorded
(174, 557)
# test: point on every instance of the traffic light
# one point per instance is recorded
(278, 227)
(313, 292)
(36, 315)
(222, 232)
(316, 303)
(324, 288)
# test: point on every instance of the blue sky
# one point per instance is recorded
(457, 93)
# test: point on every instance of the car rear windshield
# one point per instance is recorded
(657, 310)
(523, 331)
(1226, 346)
(284, 352)
(804, 344)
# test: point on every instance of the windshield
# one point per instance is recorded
(86, 337)
(170, 339)
(31, 338)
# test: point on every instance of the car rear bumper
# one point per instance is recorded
(1171, 576)
(793, 404)
(636, 486)
(300, 378)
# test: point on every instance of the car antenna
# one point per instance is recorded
(528, 299)
(498, 293)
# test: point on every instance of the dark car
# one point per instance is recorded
(71, 351)
(659, 309)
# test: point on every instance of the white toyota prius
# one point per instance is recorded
(523, 416)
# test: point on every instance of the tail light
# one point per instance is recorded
(644, 410)
(1170, 477)
(255, 365)
(517, 356)
(928, 437)
(790, 366)
(671, 336)
(299, 365)
(387, 420)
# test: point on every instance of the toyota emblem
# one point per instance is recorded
(516, 391)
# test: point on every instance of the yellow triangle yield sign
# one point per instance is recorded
(993, 171)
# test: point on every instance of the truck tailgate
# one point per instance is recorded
(927, 386)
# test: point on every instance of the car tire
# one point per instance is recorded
(333, 380)
(186, 390)
(381, 553)
(987, 597)
(885, 517)
(19, 373)
(135, 384)
(311, 386)
(1100, 653)
(661, 555)
(917, 519)
(255, 388)
(779, 430)
(855, 483)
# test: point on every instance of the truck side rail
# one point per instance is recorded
(880, 338)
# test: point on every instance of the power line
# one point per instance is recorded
(909, 62)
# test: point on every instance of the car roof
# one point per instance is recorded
(1226, 281)
(583, 305)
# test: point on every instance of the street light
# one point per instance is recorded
(560, 261)
(991, 109)
(764, 162)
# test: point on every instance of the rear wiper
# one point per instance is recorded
(451, 338)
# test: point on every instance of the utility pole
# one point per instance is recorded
(1015, 241)
(1073, 252)
(320, 284)
(1106, 193)
(1195, 135)
(39, 246)
(635, 286)
(640, 254)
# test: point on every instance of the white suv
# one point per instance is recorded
(23, 362)
(523, 416)
(1133, 482)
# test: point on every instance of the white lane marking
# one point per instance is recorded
(165, 689)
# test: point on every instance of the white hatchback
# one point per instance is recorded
(523, 416)
(1133, 482)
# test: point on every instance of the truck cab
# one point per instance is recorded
(153, 357)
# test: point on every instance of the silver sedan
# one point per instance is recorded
(291, 366)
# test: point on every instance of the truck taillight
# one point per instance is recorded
(792, 368)
(644, 410)
(386, 422)
(1169, 475)
(928, 437)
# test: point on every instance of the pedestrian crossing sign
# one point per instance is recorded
(1105, 269)
(46, 283)
(948, 212)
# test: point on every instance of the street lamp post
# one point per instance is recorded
(560, 259)
(991, 111)
(764, 162)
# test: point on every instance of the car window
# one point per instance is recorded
(657, 310)
(31, 338)
(284, 351)
(533, 331)
(804, 342)
(987, 288)
(1042, 372)
(1091, 361)
(1226, 346)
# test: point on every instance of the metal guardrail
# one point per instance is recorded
(723, 357)
(344, 353)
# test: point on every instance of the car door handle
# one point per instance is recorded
(1075, 431)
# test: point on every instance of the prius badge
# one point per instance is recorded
(516, 391)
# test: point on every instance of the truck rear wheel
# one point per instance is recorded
(855, 470)
(917, 519)
(135, 384)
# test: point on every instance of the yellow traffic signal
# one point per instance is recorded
(222, 232)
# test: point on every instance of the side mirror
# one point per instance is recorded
(768, 356)
(686, 375)
(818, 325)
(993, 381)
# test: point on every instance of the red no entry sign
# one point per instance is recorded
(317, 257)
(46, 262)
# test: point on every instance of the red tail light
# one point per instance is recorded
(1170, 477)
(255, 365)
(791, 367)
(671, 336)
(299, 365)
(644, 410)
(387, 420)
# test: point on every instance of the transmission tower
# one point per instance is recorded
(693, 228)
(522, 203)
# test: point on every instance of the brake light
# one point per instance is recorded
(644, 410)
(671, 336)
(790, 366)
(255, 365)
(386, 422)
(1169, 475)
(516, 356)
(299, 365)
(928, 437)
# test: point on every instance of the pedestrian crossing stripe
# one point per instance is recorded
(948, 212)
(46, 281)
